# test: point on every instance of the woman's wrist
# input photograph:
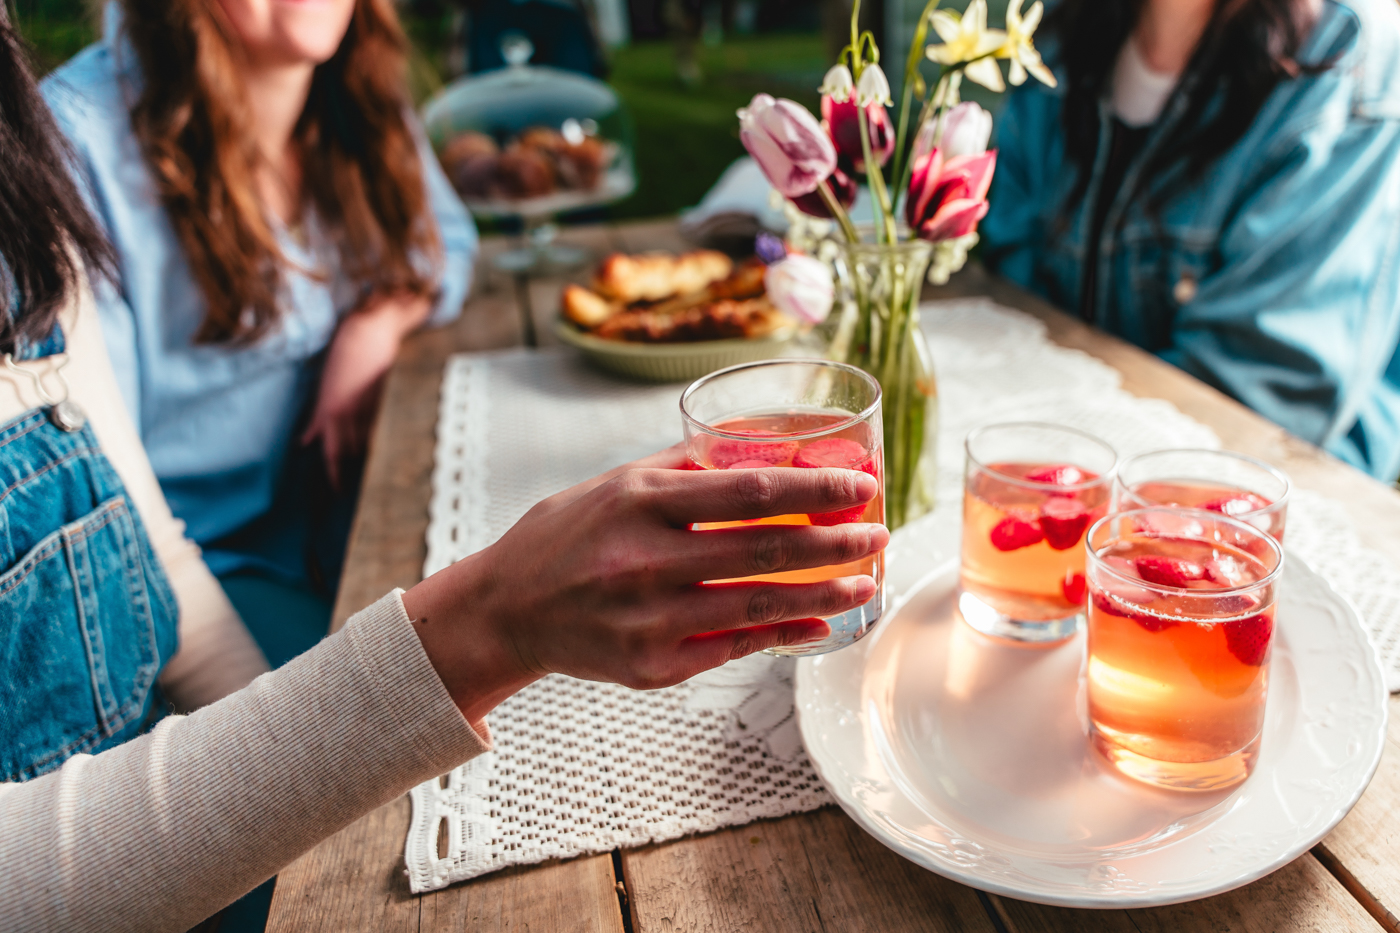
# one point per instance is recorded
(451, 612)
(396, 314)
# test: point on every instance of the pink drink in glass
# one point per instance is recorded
(1213, 480)
(1024, 522)
(1181, 627)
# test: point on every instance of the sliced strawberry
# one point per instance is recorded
(1123, 609)
(1063, 521)
(1059, 474)
(840, 517)
(842, 454)
(749, 465)
(1239, 503)
(725, 454)
(1168, 571)
(1012, 534)
(1073, 587)
(836, 452)
(1248, 639)
(689, 464)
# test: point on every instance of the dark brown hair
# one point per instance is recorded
(360, 167)
(1248, 48)
(47, 235)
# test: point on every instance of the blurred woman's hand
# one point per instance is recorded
(602, 581)
(359, 358)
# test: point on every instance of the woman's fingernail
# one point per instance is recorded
(864, 590)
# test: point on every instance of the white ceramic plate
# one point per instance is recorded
(970, 757)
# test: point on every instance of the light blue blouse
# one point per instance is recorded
(217, 421)
(1275, 277)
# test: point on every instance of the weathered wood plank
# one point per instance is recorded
(1300, 898)
(579, 896)
(810, 872)
(352, 881)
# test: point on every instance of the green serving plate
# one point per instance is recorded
(672, 362)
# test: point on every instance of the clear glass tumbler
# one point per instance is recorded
(1214, 480)
(1181, 629)
(796, 414)
(1032, 491)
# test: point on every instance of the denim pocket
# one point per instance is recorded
(78, 645)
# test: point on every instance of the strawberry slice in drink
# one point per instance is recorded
(724, 454)
(1168, 571)
(1013, 533)
(1073, 586)
(1059, 474)
(843, 454)
(749, 465)
(1063, 521)
(1248, 639)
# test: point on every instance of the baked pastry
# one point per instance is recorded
(585, 308)
(654, 276)
(718, 320)
(659, 298)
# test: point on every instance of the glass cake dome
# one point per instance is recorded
(531, 141)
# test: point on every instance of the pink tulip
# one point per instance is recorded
(948, 198)
(788, 144)
(843, 187)
(844, 126)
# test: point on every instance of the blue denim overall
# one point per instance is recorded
(87, 617)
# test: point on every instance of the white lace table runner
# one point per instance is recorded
(581, 767)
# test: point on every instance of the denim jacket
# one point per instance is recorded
(1275, 277)
(87, 617)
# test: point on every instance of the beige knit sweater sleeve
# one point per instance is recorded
(161, 832)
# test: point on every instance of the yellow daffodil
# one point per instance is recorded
(967, 39)
(1018, 47)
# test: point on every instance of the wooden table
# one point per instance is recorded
(813, 871)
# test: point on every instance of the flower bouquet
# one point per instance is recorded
(941, 164)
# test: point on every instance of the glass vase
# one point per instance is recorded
(879, 332)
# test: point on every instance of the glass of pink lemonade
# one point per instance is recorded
(795, 414)
(1032, 491)
(1214, 480)
(1181, 629)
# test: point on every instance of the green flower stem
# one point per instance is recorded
(911, 72)
(876, 181)
(838, 212)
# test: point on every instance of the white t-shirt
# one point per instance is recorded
(1139, 93)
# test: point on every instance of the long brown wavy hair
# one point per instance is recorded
(360, 167)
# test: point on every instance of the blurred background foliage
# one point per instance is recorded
(686, 67)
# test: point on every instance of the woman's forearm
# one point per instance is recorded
(162, 832)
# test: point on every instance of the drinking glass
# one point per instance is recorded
(796, 414)
(1181, 627)
(1215, 480)
(1032, 491)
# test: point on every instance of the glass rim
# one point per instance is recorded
(864, 414)
(1269, 578)
(1103, 479)
(1277, 505)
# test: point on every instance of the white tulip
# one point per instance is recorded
(967, 129)
(801, 287)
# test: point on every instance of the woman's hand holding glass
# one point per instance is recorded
(603, 581)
